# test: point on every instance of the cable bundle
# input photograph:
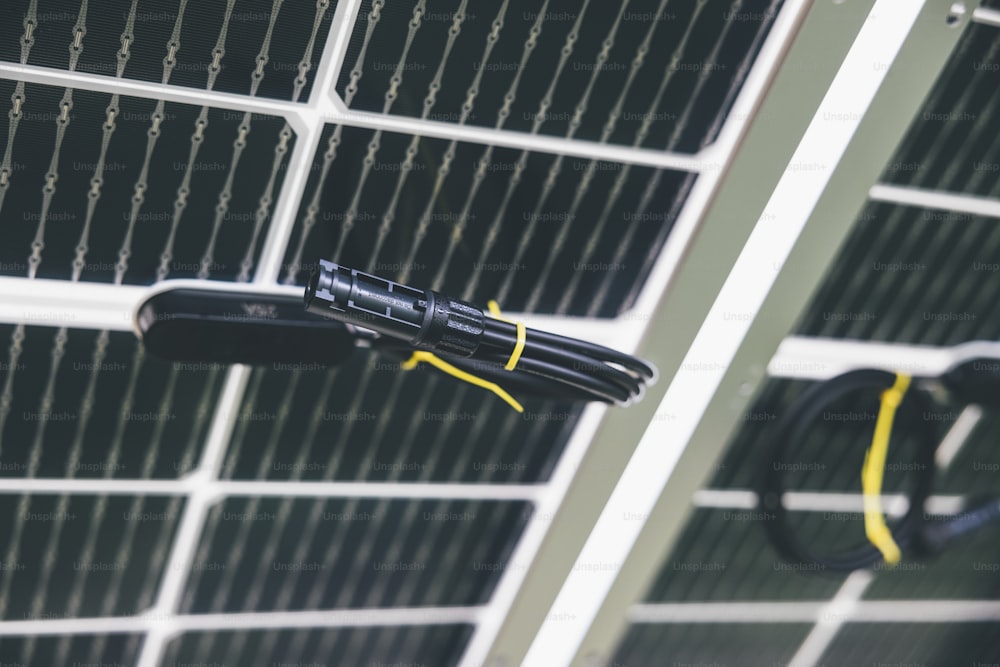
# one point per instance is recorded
(454, 335)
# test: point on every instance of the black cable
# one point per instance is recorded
(521, 383)
(602, 390)
(637, 366)
(914, 531)
(579, 362)
(459, 333)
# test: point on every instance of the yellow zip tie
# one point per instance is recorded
(871, 474)
(444, 366)
(515, 356)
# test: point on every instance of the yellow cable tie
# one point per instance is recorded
(876, 530)
(522, 334)
(445, 367)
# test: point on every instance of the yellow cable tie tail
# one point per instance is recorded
(515, 356)
(522, 334)
(445, 367)
(876, 530)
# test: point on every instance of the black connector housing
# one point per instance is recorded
(426, 320)
(238, 326)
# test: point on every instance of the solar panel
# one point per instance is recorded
(555, 157)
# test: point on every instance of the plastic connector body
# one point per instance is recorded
(426, 320)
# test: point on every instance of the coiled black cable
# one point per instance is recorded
(914, 531)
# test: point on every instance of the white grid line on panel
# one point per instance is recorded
(703, 161)
(792, 201)
(809, 358)
(269, 489)
(811, 611)
(957, 436)
(295, 113)
(986, 16)
(724, 612)
(549, 500)
(412, 490)
(895, 505)
(865, 611)
(935, 199)
(925, 611)
(104, 306)
(198, 503)
(630, 327)
(306, 143)
(301, 117)
(286, 205)
(326, 618)
(635, 321)
(831, 617)
(91, 305)
(332, 63)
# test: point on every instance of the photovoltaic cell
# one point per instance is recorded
(911, 275)
(538, 232)
(88, 404)
(439, 645)
(929, 644)
(954, 142)
(974, 469)
(416, 426)
(117, 649)
(724, 555)
(269, 554)
(757, 645)
(165, 191)
(277, 43)
(647, 72)
(967, 571)
(82, 556)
